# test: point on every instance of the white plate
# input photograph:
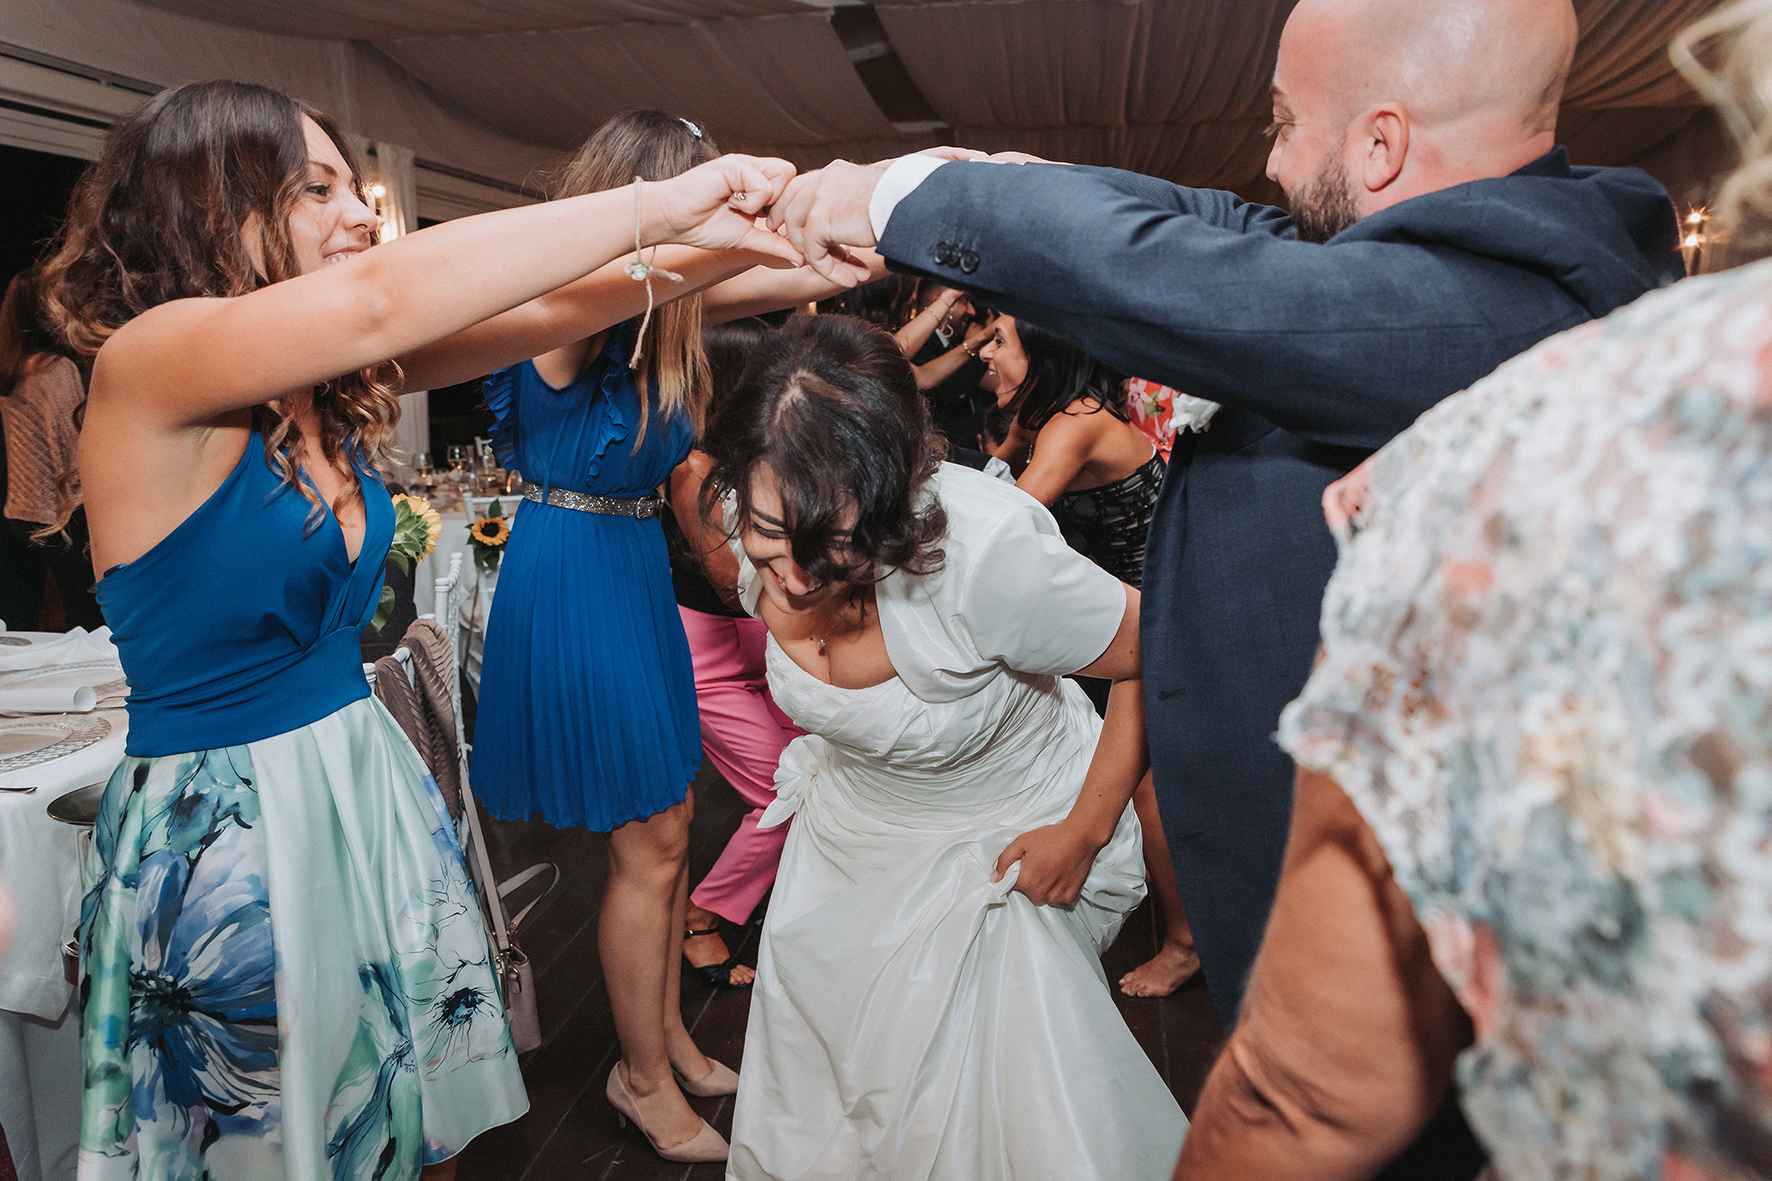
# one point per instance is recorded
(26, 742)
(94, 674)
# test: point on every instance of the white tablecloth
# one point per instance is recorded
(454, 540)
(39, 1031)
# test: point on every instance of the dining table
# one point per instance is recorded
(478, 583)
(46, 753)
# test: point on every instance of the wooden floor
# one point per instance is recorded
(570, 1131)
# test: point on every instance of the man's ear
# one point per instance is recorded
(1387, 147)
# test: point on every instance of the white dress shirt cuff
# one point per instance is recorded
(906, 173)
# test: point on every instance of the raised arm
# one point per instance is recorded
(1233, 312)
(577, 311)
(733, 283)
(188, 361)
(1188, 287)
(772, 289)
(916, 334)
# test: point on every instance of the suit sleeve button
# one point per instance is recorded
(968, 261)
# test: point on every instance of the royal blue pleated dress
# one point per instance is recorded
(587, 695)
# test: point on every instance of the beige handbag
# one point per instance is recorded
(515, 977)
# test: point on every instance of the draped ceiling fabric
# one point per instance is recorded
(1176, 88)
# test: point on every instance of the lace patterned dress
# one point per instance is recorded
(1108, 524)
(1548, 688)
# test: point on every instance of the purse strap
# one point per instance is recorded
(489, 889)
(510, 885)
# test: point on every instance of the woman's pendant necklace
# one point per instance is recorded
(854, 602)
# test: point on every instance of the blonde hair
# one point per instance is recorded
(1727, 56)
(653, 146)
(159, 216)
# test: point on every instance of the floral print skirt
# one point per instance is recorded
(287, 975)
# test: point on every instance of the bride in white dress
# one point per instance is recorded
(930, 1001)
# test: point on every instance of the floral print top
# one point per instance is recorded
(1161, 413)
(1547, 685)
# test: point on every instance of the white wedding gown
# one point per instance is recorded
(910, 1018)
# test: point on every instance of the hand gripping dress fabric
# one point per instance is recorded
(911, 1019)
(587, 711)
(286, 975)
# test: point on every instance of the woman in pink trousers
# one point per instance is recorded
(742, 731)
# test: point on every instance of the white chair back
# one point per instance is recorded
(447, 593)
(477, 505)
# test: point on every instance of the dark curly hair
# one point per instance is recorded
(829, 405)
(888, 303)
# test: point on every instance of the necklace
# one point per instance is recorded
(857, 603)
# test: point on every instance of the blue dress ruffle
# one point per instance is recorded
(587, 709)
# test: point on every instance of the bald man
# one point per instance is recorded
(1435, 231)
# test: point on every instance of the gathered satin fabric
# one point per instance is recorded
(911, 1018)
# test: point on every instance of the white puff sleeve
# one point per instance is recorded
(1032, 603)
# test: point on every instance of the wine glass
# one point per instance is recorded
(421, 469)
(458, 458)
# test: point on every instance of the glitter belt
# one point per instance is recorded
(642, 509)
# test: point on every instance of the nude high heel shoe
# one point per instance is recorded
(722, 1080)
(705, 1145)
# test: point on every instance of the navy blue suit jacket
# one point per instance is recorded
(1321, 353)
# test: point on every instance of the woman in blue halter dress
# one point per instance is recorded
(286, 975)
(281, 910)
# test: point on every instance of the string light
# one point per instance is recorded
(1694, 236)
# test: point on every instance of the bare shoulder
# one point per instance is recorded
(1077, 427)
(142, 357)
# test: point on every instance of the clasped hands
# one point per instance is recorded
(815, 219)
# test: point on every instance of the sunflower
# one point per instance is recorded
(412, 512)
(490, 531)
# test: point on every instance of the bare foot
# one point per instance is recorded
(1173, 966)
(702, 950)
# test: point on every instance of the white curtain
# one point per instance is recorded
(1177, 88)
(388, 181)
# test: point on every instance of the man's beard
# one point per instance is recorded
(1325, 206)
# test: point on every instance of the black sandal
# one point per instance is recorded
(717, 975)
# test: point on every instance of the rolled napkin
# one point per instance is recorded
(47, 699)
(58, 674)
(73, 647)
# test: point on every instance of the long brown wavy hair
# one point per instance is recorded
(653, 146)
(25, 344)
(160, 215)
